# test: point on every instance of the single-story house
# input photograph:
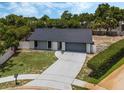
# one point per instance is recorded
(77, 40)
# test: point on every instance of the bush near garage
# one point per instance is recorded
(103, 61)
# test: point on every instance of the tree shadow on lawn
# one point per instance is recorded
(8, 64)
(16, 54)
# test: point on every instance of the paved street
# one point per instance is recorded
(62, 73)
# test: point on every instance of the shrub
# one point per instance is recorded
(106, 59)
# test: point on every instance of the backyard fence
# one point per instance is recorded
(6, 55)
(122, 33)
(109, 33)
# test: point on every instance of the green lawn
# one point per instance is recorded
(27, 62)
(93, 80)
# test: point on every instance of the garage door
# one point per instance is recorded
(79, 47)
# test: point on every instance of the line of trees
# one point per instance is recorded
(14, 28)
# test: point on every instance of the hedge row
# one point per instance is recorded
(106, 59)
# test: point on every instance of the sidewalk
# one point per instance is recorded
(20, 77)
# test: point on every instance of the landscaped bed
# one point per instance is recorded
(27, 63)
(12, 84)
(104, 63)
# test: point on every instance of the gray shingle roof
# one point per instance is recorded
(62, 35)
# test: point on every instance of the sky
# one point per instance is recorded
(52, 9)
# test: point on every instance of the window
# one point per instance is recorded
(122, 27)
(49, 44)
(60, 45)
(35, 44)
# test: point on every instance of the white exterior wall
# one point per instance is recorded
(63, 45)
(93, 49)
(24, 45)
(54, 45)
(31, 44)
(88, 48)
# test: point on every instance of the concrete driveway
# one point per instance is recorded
(62, 73)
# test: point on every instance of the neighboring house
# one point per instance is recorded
(77, 40)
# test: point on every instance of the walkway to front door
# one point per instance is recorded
(62, 73)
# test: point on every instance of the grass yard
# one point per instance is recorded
(12, 84)
(27, 62)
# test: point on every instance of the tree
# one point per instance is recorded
(2, 49)
(75, 17)
(61, 23)
(44, 18)
(11, 19)
(40, 24)
(102, 10)
(21, 22)
(66, 15)
(121, 14)
(74, 23)
(21, 32)
(110, 23)
(3, 29)
(11, 39)
(3, 21)
(107, 17)
(116, 13)
(51, 23)
(98, 24)
(85, 19)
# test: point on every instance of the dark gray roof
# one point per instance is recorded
(62, 35)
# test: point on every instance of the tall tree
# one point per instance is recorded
(11, 19)
(45, 18)
(74, 24)
(102, 10)
(110, 23)
(66, 15)
(85, 19)
(115, 12)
